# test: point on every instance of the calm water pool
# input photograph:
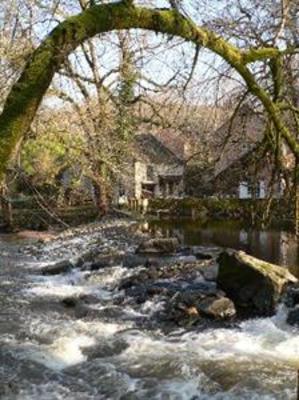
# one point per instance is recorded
(278, 246)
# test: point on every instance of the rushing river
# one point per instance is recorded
(48, 353)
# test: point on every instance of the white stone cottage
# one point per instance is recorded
(158, 172)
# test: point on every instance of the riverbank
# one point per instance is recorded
(84, 333)
(256, 212)
(259, 213)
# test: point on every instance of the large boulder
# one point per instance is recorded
(159, 245)
(254, 285)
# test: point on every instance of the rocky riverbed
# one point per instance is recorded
(105, 312)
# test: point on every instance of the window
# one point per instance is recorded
(253, 190)
(248, 190)
(150, 173)
(243, 190)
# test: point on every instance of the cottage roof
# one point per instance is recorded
(173, 139)
(151, 150)
(236, 138)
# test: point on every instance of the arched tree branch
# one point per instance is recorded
(27, 93)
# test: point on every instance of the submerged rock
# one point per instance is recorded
(134, 260)
(180, 311)
(70, 301)
(218, 308)
(185, 308)
(254, 285)
(293, 316)
(60, 267)
(292, 296)
(104, 261)
(160, 245)
(108, 349)
(210, 271)
(203, 256)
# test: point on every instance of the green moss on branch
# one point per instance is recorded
(27, 93)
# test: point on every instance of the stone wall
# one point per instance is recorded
(38, 219)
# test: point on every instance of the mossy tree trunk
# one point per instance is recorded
(26, 95)
(296, 197)
(6, 208)
(101, 196)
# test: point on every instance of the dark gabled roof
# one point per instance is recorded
(239, 137)
(173, 139)
(150, 150)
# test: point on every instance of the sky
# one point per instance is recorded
(158, 65)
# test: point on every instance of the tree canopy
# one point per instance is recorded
(27, 93)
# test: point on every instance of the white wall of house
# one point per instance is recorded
(262, 194)
(245, 191)
(140, 176)
(170, 169)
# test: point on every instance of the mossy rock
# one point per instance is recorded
(254, 285)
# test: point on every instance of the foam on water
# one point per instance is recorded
(68, 339)
(51, 391)
(265, 338)
(64, 352)
(245, 363)
(110, 276)
(255, 361)
(71, 284)
(212, 365)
